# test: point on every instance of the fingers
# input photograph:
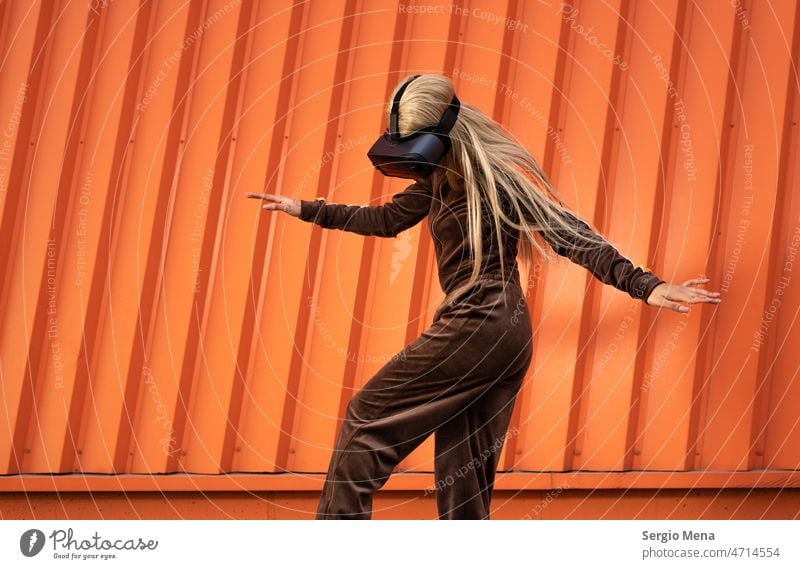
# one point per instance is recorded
(674, 306)
(266, 197)
(691, 298)
(697, 281)
(706, 294)
(690, 292)
(692, 295)
(284, 206)
(274, 201)
(670, 302)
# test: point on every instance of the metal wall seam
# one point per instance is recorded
(669, 46)
(22, 96)
(771, 447)
(277, 37)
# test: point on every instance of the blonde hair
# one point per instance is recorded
(485, 160)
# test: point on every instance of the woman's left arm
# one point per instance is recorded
(610, 267)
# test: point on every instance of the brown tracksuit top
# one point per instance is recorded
(459, 379)
(447, 218)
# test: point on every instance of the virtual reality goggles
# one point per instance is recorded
(417, 154)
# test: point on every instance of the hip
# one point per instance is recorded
(494, 297)
(487, 329)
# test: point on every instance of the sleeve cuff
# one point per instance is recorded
(311, 209)
(645, 285)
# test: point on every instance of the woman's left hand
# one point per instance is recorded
(670, 296)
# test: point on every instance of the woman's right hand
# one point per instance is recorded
(670, 295)
(276, 202)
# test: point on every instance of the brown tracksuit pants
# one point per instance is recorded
(458, 380)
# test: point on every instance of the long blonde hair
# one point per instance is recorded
(490, 164)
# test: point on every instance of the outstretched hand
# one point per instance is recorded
(671, 295)
(276, 202)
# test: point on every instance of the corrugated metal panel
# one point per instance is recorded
(154, 320)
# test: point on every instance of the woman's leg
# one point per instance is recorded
(365, 455)
(472, 348)
(395, 411)
(467, 452)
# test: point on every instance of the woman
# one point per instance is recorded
(485, 203)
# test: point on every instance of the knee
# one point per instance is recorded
(358, 411)
(353, 414)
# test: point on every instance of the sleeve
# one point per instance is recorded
(608, 265)
(406, 209)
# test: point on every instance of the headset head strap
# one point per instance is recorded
(394, 133)
(442, 129)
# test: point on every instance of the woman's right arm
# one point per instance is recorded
(609, 266)
(606, 263)
(406, 209)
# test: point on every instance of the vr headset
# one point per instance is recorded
(417, 154)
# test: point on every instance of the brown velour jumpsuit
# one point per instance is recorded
(459, 379)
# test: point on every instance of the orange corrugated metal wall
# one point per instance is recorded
(154, 320)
